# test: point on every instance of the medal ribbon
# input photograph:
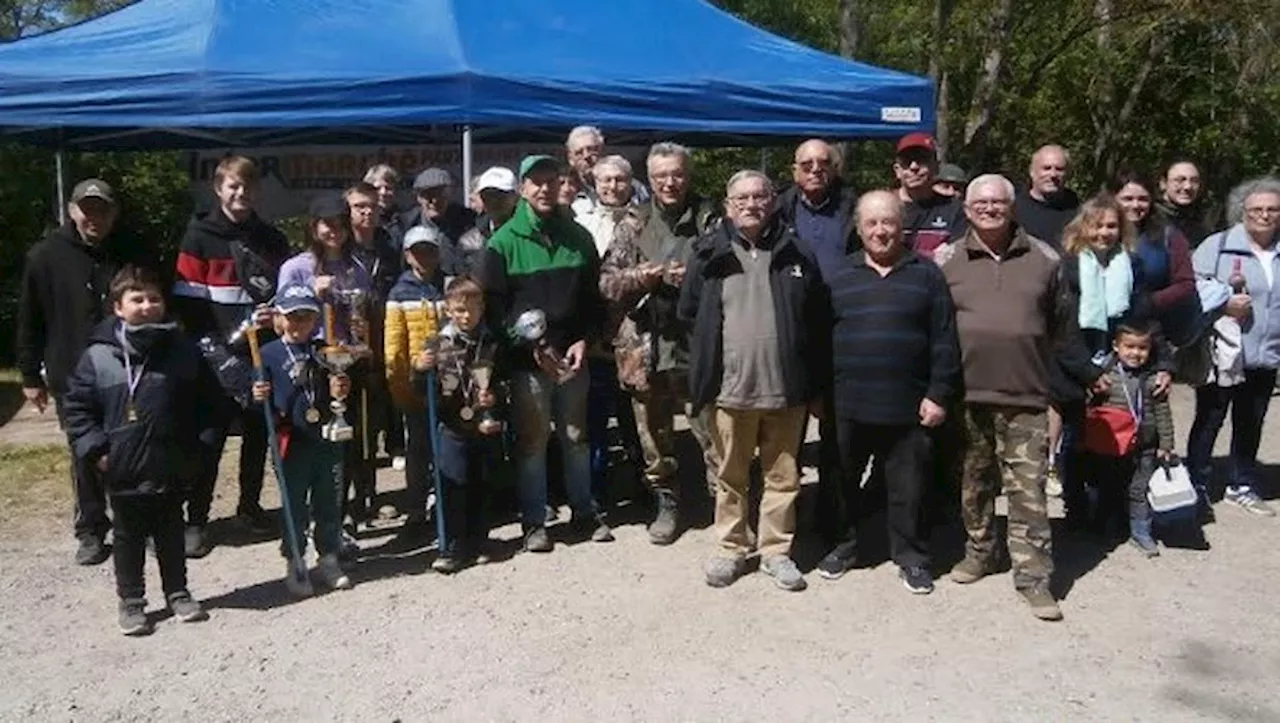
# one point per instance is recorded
(297, 365)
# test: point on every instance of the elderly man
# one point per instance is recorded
(950, 182)
(540, 259)
(1047, 206)
(434, 191)
(63, 296)
(896, 367)
(931, 219)
(1004, 283)
(584, 147)
(640, 277)
(1180, 201)
(759, 308)
(496, 188)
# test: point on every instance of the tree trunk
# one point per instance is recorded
(850, 30)
(1103, 157)
(941, 16)
(977, 127)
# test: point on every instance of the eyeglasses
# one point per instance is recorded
(1262, 211)
(987, 204)
(742, 200)
(814, 164)
(667, 177)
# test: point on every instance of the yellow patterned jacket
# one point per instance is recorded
(414, 311)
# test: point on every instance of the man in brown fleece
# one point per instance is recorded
(1004, 284)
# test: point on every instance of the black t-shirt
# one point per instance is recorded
(931, 222)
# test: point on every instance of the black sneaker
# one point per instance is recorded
(255, 519)
(91, 551)
(133, 617)
(448, 564)
(196, 542)
(839, 561)
(536, 540)
(916, 579)
(185, 608)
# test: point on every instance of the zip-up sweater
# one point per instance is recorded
(1215, 257)
(65, 285)
(412, 318)
(801, 305)
(543, 263)
(208, 292)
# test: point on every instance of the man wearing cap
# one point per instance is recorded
(412, 319)
(542, 260)
(433, 188)
(228, 263)
(950, 181)
(1046, 206)
(497, 190)
(63, 296)
(929, 219)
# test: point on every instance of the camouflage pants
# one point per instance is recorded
(655, 412)
(1014, 443)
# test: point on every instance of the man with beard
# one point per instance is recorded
(497, 190)
(1180, 201)
(1047, 205)
(65, 284)
(929, 218)
(228, 262)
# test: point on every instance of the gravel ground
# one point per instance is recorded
(629, 631)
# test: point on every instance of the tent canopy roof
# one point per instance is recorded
(201, 72)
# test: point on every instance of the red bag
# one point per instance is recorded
(1110, 432)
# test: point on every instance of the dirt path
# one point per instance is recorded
(629, 632)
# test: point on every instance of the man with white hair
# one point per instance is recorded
(640, 277)
(1005, 286)
(584, 147)
(759, 307)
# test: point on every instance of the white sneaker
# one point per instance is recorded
(332, 573)
(298, 581)
(397, 463)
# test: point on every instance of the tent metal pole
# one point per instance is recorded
(61, 185)
(466, 161)
(764, 160)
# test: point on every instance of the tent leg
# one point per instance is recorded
(61, 186)
(466, 160)
(764, 160)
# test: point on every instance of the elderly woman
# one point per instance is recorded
(612, 175)
(1243, 256)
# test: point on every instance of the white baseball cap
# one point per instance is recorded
(425, 234)
(497, 178)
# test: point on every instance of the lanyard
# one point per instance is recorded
(297, 366)
(377, 263)
(1134, 401)
(133, 380)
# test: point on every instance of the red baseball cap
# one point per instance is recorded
(917, 140)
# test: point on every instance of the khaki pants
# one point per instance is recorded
(739, 433)
(655, 412)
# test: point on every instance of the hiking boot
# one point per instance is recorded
(916, 579)
(969, 570)
(662, 531)
(331, 571)
(784, 572)
(298, 580)
(1249, 501)
(185, 608)
(195, 542)
(722, 571)
(255, 519)
(536, 540)
(593, 528)
(133, 617)
(91, 551)
(839, 561)
(1043, 606)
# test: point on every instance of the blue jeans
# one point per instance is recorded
(536, 402)
(605, 399)
(1247, 402)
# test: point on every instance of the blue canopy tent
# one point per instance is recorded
(243, 73)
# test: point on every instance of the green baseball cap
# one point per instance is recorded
(531, 162)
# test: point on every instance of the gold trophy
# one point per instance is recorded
(337, 357)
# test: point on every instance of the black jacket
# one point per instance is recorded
(175, 402)
(65, 288)
(457, 220)
(1046, 219)
(801, 306)
(1190, 220)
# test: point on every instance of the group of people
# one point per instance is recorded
(970, 337)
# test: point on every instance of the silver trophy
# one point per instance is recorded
(531, 327)
(337, 357)
(482, 375)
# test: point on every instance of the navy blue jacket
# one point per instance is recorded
(176, 403)
(293, 392)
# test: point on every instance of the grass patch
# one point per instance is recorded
(34, 477)
(10, 376)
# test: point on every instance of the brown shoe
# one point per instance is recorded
(1043, 606)
(969, 570)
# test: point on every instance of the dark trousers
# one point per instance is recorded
(90, 516)
(1247, 402)
(906, 452)
(605, 399)
(1070, 462)
(360, 458)
(466, 465)
(417, 467)
(253, 459)
(137, 517)
(1121, 483)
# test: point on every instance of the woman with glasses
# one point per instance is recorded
(1244, 257)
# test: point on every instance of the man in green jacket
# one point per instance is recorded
(541, 260)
